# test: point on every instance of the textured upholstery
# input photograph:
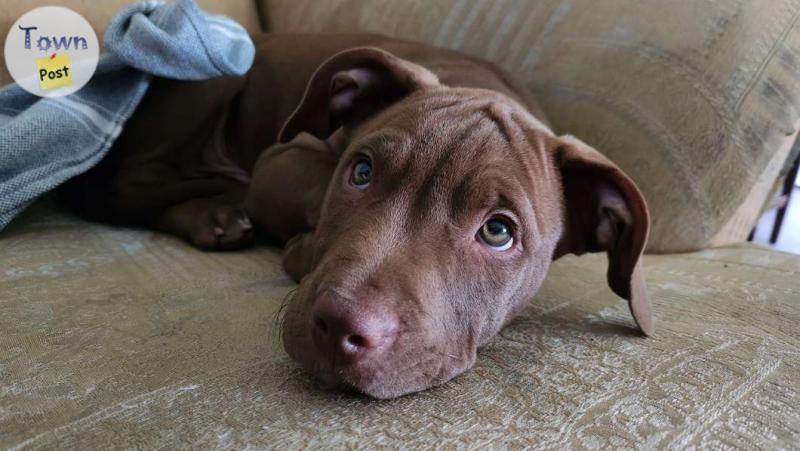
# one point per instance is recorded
(696, 100)
(99, 12)
(112, 337)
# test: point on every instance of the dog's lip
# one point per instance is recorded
(369, 378)
(361, 377)
(334, 371)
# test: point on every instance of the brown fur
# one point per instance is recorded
(452, 141)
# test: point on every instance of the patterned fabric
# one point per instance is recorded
(697, 101)
(46, 141)
(113, 337)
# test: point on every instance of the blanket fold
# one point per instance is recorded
(46, 141)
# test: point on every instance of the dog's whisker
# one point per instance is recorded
(279, 318)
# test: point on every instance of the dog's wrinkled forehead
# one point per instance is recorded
(459, 114)
(459, 140)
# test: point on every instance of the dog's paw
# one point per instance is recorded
(223, 228)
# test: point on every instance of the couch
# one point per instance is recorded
(118, 338)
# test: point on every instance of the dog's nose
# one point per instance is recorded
(351, 330)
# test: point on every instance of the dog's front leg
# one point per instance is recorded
(298, 255)
(288, 185)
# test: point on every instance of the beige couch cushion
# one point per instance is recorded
(98, 14)
(117, 338)
(696, 100)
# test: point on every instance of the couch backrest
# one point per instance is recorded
(697, 101)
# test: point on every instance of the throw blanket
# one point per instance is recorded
(45, 141)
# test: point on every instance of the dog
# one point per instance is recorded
(420, 194)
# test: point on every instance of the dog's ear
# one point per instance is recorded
(605, 212)
(349, 87)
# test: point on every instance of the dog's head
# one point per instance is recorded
(440, 222)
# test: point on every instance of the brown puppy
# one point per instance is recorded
(421, 197)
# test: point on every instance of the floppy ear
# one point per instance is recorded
(605, 212)
(351, 86)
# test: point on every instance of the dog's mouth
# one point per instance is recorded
(349, 376)
(380, 382)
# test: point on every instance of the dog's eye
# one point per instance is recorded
(362, 173)
(496, 233)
